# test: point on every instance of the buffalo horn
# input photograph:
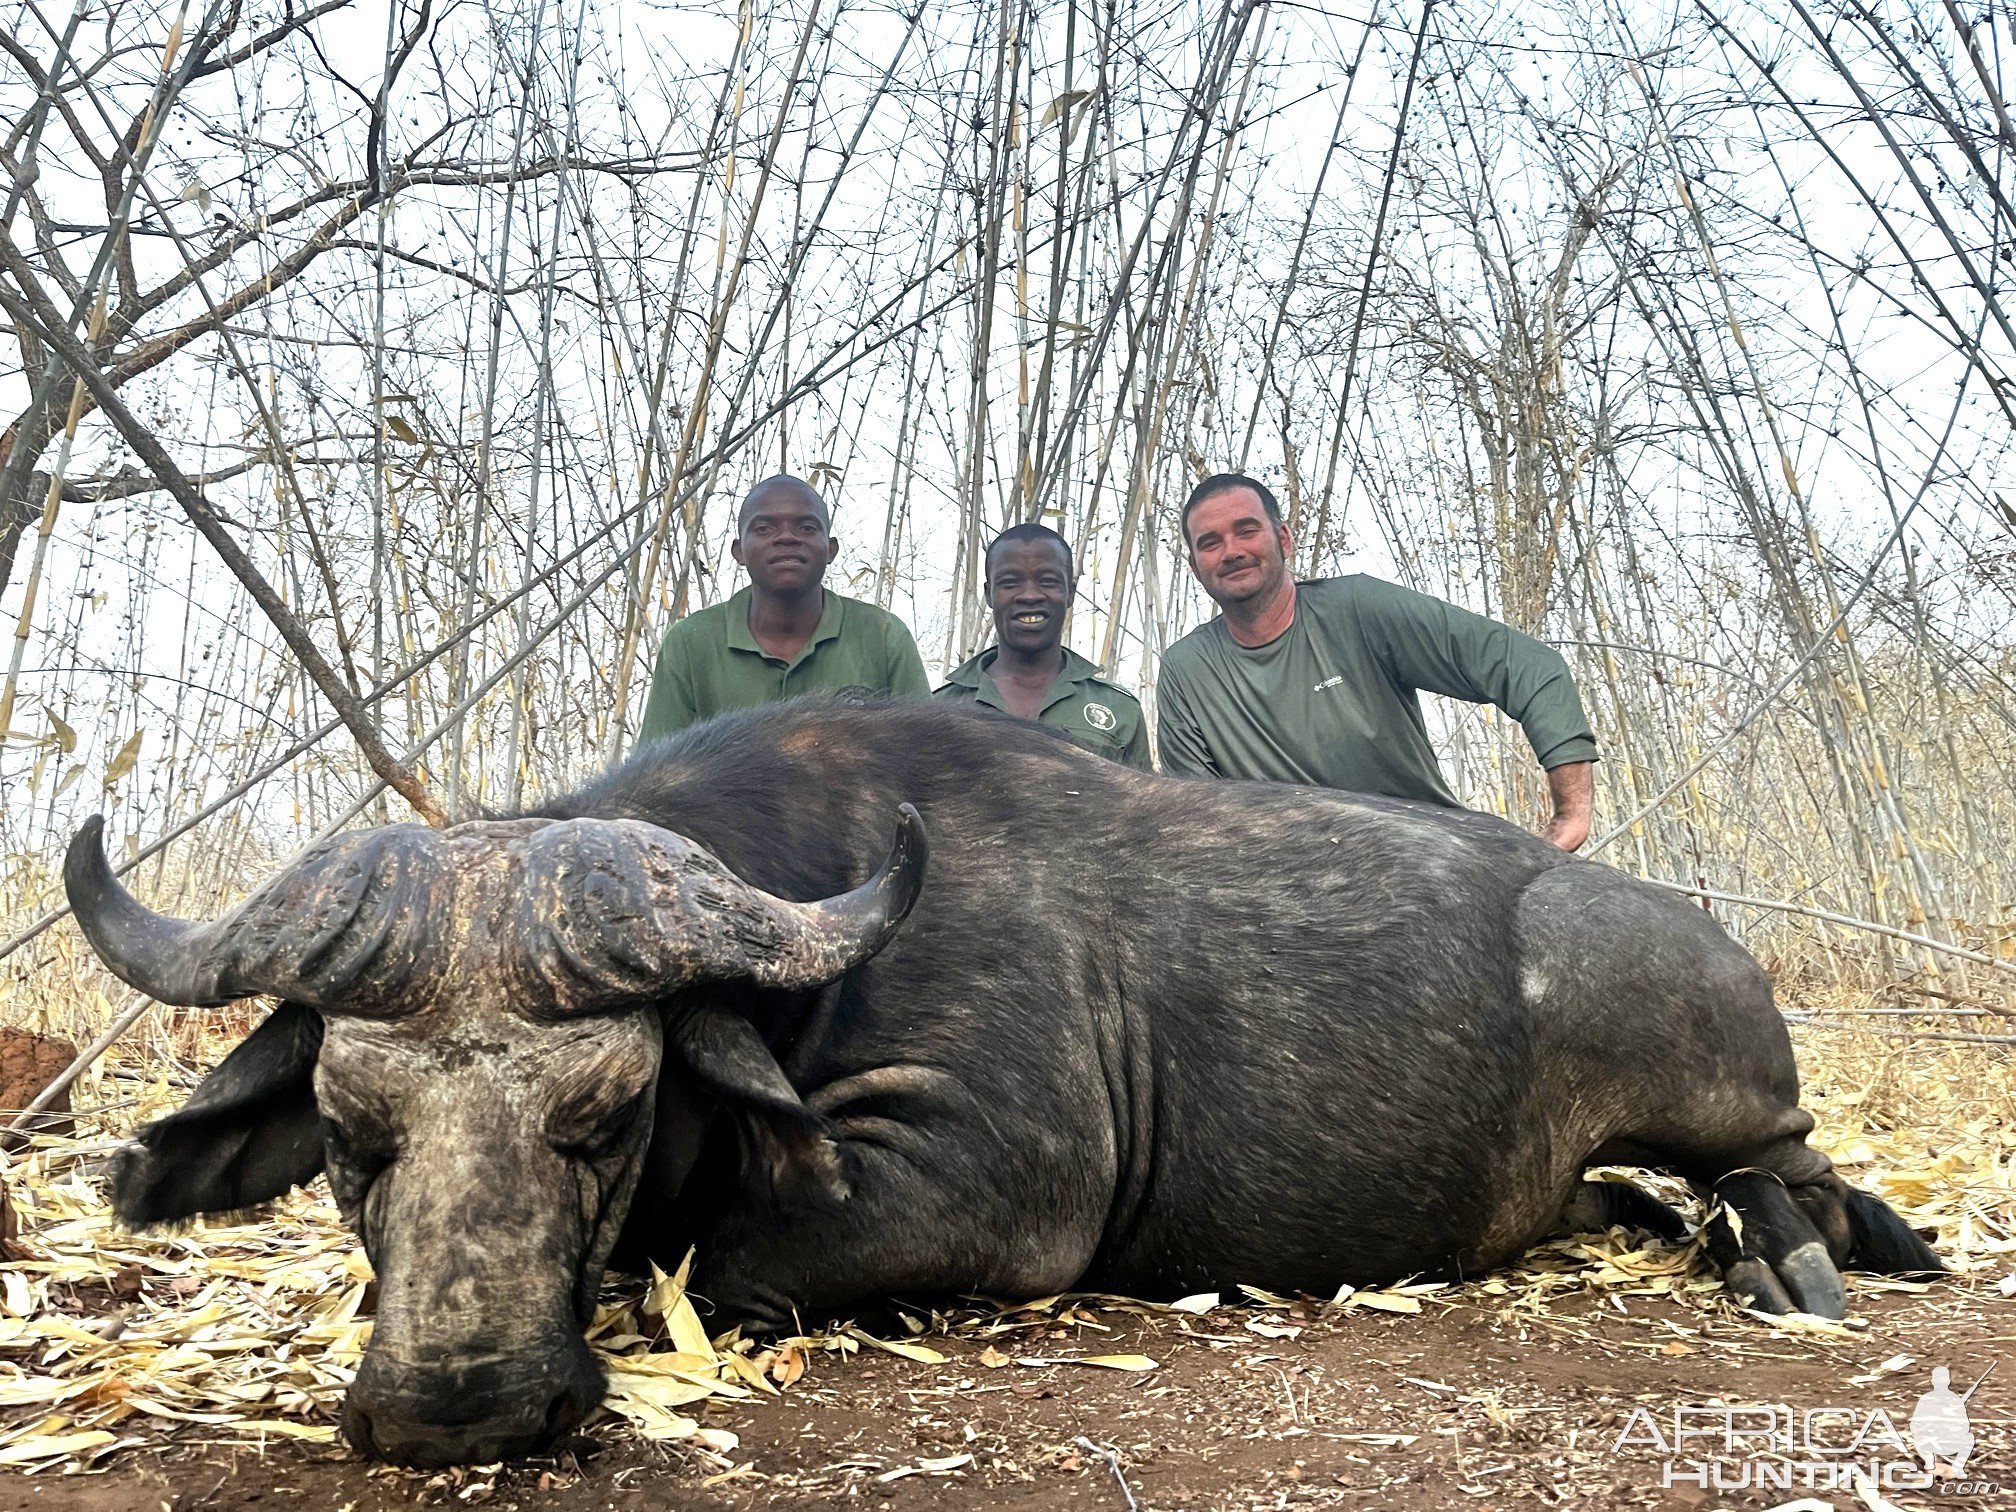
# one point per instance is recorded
(297, 937)
(823, 940)
(171, 960)
(621, 913)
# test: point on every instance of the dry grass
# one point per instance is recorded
(234, 1332)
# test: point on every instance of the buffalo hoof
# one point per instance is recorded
(1594, 1206)
(1770, 1254)
(757, 1307)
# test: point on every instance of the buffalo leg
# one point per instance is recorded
(1649, 998)
(1594, 1206)
(917, 1212)
(1769, 1251)
(1786, 1225)
(897, 1233)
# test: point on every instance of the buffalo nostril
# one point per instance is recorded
(356, 1425)
(473, 1410)
(562, 1413)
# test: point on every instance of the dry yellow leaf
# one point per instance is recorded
(944, 1466)
(53, 1446)
(788, 1366)
(654, 1390)
(1273, 1330)
(667, 1299)
(922, 1354)
(16, 1294)
(1381, 1301)
(314, 1433)
(123, 762)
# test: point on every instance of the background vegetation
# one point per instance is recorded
(379, 380)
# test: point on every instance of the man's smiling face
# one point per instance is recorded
(1238, 552)
(1029, 589)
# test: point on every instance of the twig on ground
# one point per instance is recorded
(1112, 1458)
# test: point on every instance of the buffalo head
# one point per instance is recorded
(469, 1040)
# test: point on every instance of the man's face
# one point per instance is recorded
(1237, 552)
(1029, 587)
(785, 543)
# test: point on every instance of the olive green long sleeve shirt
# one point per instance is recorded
(1334, 700)
(710, 663)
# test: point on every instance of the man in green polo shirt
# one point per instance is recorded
(783, 635)
(1029, 671)
(1319, 682)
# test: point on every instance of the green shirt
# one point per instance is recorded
(710, 663)
(1094, 712)
(1333, 700)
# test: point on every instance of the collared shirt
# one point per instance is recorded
(1334, 700)
(710, 662)
(1099, 715)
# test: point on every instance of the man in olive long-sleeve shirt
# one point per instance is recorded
(785, 634)
(1319, 682)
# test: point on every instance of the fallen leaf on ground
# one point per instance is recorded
(921, 1353)
(1381, 1301)
(943, 1466)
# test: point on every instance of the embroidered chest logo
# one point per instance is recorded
(1099, 716)
(1328, 682)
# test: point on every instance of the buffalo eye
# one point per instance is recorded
(363, 1152)
(355, 1160)
(589, 1134)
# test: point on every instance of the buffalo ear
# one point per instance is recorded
(249, 1132)
(791, 1143)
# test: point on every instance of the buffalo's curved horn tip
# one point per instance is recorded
(901, 880)
(861, 922)
(166, 958)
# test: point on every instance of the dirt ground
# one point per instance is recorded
(1476, 1401)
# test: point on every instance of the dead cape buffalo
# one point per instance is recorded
(1139, 1034)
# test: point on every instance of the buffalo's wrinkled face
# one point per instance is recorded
(487, 1162)
(470, 1042)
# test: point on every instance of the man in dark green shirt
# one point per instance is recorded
(1029, 671)
(1319, 682)
(783, 635)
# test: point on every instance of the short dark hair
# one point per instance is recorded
(783, 482)
(1031, 531)
(1219, 483)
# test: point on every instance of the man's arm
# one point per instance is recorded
(1135, 753)
(1572, 785)
(1431, 644)
(670, 705)
(905, 672)
(1177, 733)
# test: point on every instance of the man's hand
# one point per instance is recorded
(1573, 787)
